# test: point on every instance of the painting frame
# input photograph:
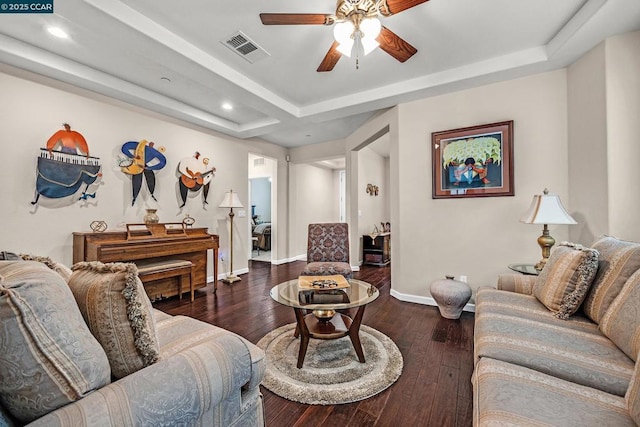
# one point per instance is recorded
(474, 161)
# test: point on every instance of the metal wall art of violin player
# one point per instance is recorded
(65, 167)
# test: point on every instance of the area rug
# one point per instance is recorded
(331, 373)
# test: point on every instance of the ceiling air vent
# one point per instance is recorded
(258, 162)
(241, 44)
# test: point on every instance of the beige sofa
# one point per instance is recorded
(532, 367)
(53, 369)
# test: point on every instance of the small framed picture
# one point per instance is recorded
(475, 161)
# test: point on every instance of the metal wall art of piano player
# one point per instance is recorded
(65, 165)
(142, 159)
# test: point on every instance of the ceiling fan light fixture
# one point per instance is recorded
(343, 32)
(345, 48)
(369, 44)
(370, 28)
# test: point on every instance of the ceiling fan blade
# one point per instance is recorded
(330, 59)
(296, 19)
(391, 7)
(391, 43)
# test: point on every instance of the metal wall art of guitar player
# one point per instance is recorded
(195, 173)
(65, 165)
(143, 158)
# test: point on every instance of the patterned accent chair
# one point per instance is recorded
(328, 250)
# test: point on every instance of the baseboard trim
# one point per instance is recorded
(425, 300)
(287, 260)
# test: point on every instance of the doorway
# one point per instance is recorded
(262, 191)
(261, 219)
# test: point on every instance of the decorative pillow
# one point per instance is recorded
(61, 269)
(621, 322)
(633, 395)
(49, 357)
(618, 260)
(114, 304)
(564, 281)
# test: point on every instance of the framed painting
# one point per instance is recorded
(475, 161)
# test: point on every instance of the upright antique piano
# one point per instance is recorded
(151, 243)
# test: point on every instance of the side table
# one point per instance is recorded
(528, 269)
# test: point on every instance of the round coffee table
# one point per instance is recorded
(324, 322)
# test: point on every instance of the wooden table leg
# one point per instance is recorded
(304, 336)
(215, 271)
(354, 333)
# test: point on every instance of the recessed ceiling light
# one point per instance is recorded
(165, 79)
(58, 32)
(227, 106)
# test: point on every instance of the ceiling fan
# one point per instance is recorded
(356, 22)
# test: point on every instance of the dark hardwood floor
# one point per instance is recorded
(433, 390)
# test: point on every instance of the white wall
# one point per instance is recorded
(588, 168)
(372, 209)
(604, 106)
(371, 170)
(32, 111)
(379, 125)
(623, 133)
(313, 200)
(476, 237)
(336, 192)
(589, 111)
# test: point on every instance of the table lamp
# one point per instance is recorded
(231, 201)
(546, 209)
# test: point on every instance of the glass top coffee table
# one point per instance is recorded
(324, 322)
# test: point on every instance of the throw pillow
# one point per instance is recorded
(618, 260)
(633, 395)
(621, 322)
(61, 269)
(114, 304)
(48, 356)
(564, 281)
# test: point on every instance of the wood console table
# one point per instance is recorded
(376, 251)
(157, 245)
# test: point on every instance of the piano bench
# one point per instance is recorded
(148, 271)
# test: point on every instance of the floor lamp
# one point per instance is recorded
(231, 201)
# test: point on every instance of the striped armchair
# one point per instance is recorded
(328, 250)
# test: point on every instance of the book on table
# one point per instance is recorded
(330, 296)
(336, 281)
(323, 290)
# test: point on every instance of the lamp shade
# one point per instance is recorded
(231, 200)
(547, 209)
(370, 28)
(369, 44)
(343, 32)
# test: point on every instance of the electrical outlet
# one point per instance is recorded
(463, 279)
